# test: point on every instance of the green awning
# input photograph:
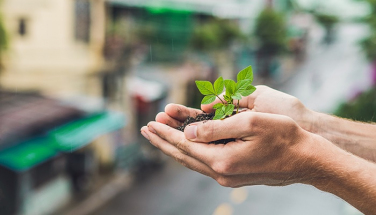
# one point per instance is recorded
(66, 138)
(157, 6)
(28, 154)
(77, 134)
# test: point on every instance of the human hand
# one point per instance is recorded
(268, 100)
(269, 149)
(176, 114)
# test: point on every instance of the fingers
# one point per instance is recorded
(173, 152)
(180, 112)
(237, 126)
(200, 151)
(166, 119)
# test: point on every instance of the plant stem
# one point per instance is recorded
(237, 108)
(220, 99)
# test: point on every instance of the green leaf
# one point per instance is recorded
(228, 98)
(218, 106)
(230, 87)
(218, 116)
(229, 109)
(205, 87)
(237, 96)
(220, 113)
(250, 89)
(242, 85)
(208, 99)
(246, 73)
(218, 86)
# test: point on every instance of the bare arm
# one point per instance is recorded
(356, 137)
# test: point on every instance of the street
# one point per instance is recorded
(330, 75)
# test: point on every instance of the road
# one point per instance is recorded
(330, 75)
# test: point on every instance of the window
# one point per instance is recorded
(82, 20)
(22, 27)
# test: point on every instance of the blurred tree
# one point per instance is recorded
(271, 33)
(328, 22)
(167, 33)
(215, 34)
(363, 108)
(368, 44)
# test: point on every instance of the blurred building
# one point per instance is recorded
(57, 133)
(49, 151)
(55, 46)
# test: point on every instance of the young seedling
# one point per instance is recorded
(234, 91)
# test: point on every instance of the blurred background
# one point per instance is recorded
(79, 78)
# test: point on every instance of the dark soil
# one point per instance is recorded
(199, 118)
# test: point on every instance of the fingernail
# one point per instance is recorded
(145, 135)
(151, 129)
(191, 132)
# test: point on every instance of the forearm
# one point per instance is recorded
(355, 137)
(345, 175)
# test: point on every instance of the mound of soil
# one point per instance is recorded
(199, 118)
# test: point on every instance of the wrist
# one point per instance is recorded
(309, 121)
(313, 153)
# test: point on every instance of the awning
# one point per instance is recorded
(28, 154)
(228, 9)
(66, 138)
(77, 134)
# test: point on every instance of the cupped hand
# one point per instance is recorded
(268, 100)
(269, 149)
(176, 114)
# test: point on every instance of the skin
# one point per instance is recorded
(274, 146)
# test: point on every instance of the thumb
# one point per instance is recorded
(237, 127)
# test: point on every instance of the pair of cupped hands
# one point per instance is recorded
(272, 144)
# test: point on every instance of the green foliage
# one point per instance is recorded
(271, 31)
(3, 37)
(326, 20)
(363, 108)
(234, 91)
(369, 46)
(371, 5)
(215, 34)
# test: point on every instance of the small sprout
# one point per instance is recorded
(234, 91)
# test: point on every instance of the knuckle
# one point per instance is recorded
(295, 102)
(223, 168)
(205, 132)
(224, 181)
(253, 120)
(178, 157)
(182, 145)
